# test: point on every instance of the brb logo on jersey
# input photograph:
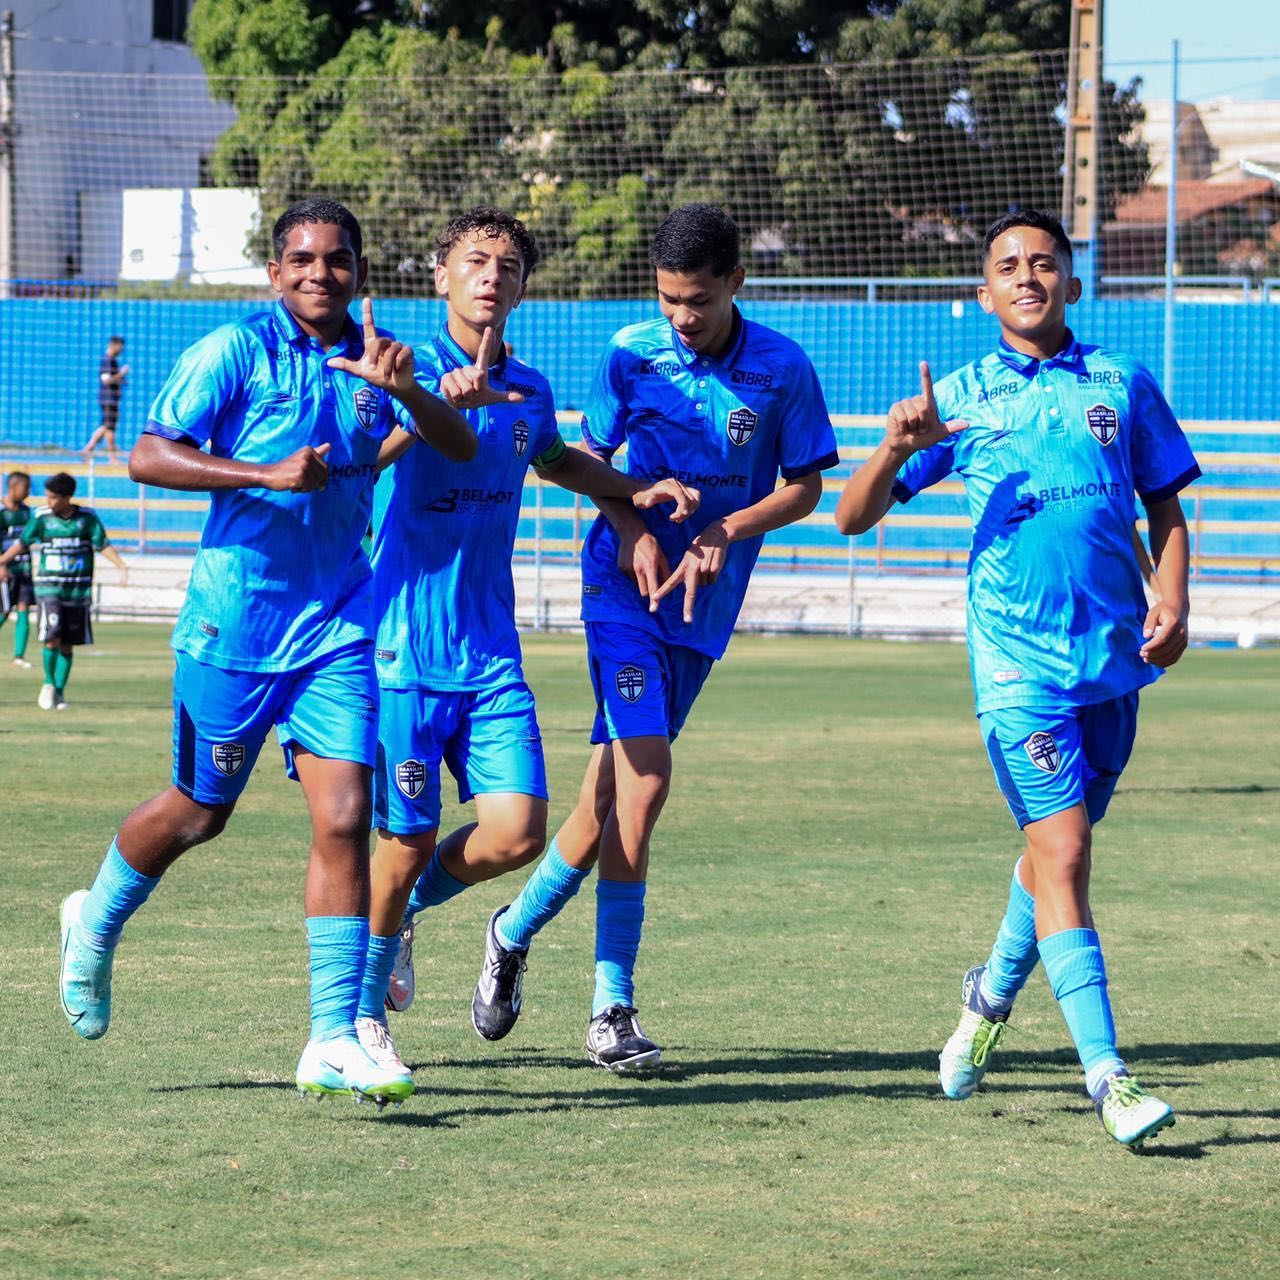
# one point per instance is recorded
(228, 758)
(411, 777)
(520, 430)
(1104, 422)
(1042, 751)
(367, 402)
(630, 682)
(741, 425)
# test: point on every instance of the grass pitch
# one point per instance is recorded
(833, 856)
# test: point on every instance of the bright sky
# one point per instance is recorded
(1228, 48)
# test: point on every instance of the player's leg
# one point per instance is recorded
(98, 433)
(113, 453)
(48, 633)
(22, 628)
(62, 673)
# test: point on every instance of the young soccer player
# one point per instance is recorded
(294, 403)
(448, 656)
(17, 591)
(724, 404)
(111, 379)
(1051, 437)
(68, 535)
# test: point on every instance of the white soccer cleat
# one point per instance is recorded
(400, 985)
(22, 664)
(45, 699)
(1128, 1112)
(376, 1041)
(342, 1066)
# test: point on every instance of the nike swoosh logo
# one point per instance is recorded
(331, 1065)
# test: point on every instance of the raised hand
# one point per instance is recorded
(385, 363)
(467, 387)
(700, 566)
(669, 489)
(914, 423)
(302, 472)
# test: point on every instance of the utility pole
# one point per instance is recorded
(7, 136)
(1080, 178)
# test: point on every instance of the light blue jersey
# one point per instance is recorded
(1051, 459)
(444, 532)
(280, 578)
(728, 425)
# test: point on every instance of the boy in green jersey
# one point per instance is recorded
(68, 536)
(16, 588)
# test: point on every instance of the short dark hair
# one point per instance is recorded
(115, 337)
(1026, 218)
(61, 484)
(18, 475)
(490, 222)
(696, 237)
(316, 210)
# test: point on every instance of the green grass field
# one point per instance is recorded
(833, 856)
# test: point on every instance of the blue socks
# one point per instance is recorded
(619, 919)
(544, 895)
(435, 885)
(1073, 964)
(379, 961)
(1014, 954)
(116, 894)
(338, 948)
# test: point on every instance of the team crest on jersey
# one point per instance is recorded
(1042, 751)
(228, 758)
(630, 682)
(741, 425)
(367, 402)
(1104, 422)
(411, 777)
(520, 430)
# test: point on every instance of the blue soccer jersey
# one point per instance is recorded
(444, 533)
(1051, 459)
(728, 425)
(280, 578)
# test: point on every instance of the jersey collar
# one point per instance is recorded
(737, 335)
(351, 344)
(449, 348)
(1069, 357)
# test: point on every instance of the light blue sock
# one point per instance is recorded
(434, 886)
(619, 919)
(117, 892)
(380, 959)
(338, 948)
(1014, 954)
(1076, 972)
(543, 897)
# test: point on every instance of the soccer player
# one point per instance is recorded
(726, 405)
(1051, 437)
(448, 655)
(17, 591)
(294, 403)
(111, 378)
(68, 535)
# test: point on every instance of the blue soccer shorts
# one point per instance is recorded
(221, 718)
(489, 739)
(644, 686)
(1047, 759)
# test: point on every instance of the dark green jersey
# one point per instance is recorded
(66, 553)
(12, 522)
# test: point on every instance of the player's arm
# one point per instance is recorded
(913, 425)
(116, 559)
(15, 549)
(583, 472)
(1165, 628)
(179, 464)
(395, 446)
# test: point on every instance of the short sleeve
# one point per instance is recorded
(548, 442)
(427, 376)
(1163, 463)
(98, 534)
(206, 380)
(603, 423)
(31, 531)
(924, 469)
(807, 442)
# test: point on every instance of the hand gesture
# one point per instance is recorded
(670, 489)
(385, 363)
(699, 567)
(914, 423)
(1165, 631)
(643, 561)
(301, 472)
(467, 387)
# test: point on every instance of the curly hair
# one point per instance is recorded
(486, 221)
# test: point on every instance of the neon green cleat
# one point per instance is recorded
(1129, 1113)
(342, 1066)
(964, 1058)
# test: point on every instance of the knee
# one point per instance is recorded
(1064, 861)
(344, 818)
(526, 845)
(202, 823)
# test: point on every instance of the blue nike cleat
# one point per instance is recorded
(84, 980)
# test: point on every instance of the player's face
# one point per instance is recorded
(1027, 284)
(700, 306)
(483, 280)
(317, 277)
(19, 489)
(58, 503)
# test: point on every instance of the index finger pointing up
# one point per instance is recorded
(366, 318)
(926, 385)
(485, 350)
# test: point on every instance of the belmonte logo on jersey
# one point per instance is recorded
(741, 425)
(1103, 422)
(630, 682)
(228, 758)
(411, 777)
(520, 431)
(1042, 751)
(367, 402)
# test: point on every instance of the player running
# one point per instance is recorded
(68, 535)
(277, 629)
(726, 405)
(1052, 438)
(17, 590)
(448, 656)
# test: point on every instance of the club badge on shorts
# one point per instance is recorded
(1042, 751)
(630, 682)
(411, 777)
(367, 402)
(1103, 422)
(741, 425)
(228, 758)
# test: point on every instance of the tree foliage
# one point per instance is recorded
(871, 139)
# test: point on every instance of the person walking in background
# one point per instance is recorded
(111, 379)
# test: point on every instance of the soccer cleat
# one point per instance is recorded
(1128, 1112)
(22, 664)
(617, 1042)
(60, 703)
(84, 979)
(496, 1003)
(342, 1066)
(376, 1041)
(45, 699)
(964, 1058)
(400, 987)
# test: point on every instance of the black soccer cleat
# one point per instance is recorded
(496, 1003)
(617, 1042)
